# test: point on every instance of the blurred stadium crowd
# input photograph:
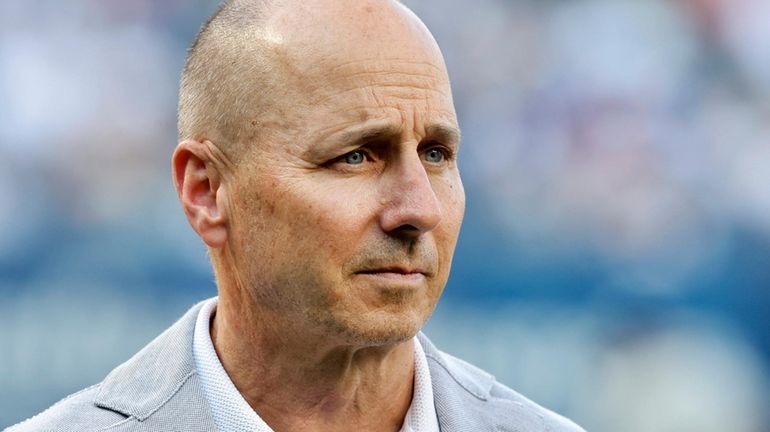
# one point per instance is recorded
(614, 263)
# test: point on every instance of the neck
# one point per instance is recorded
(297, 380)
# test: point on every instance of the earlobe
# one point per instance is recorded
(200, 191)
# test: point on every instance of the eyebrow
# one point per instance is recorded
(437, 132)
(446, 133)
(364, 133)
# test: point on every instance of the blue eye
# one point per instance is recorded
(355, 158)
(434, 155)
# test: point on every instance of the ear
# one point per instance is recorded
(200, 190)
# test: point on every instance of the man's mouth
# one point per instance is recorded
(396, 273)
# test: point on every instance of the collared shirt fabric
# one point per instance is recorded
(421, 416)
(229, 409)
(231, 412)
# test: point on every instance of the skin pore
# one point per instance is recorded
(331, 226)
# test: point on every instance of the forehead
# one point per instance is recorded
(373, 61)
(380, 81)
(398, 95)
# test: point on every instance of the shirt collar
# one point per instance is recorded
(229, 409)
(421, 416)
(231, 412)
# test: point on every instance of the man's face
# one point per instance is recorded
(345, 220)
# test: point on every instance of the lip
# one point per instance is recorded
(395, 274)
(396, 277)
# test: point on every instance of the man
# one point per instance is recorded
(318, 163)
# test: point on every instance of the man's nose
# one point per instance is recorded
(411, 206)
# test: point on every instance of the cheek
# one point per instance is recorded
(328, 217)
(451, 194)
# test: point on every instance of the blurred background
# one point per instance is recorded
(614, 264)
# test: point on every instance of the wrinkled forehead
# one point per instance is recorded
(341, 63)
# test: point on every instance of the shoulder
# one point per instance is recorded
(463, 387)
(552, 421)
(75, 412)
(154, 389)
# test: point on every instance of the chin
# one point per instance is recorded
(377, 329)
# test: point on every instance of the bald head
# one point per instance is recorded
(255, 62)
